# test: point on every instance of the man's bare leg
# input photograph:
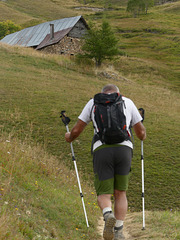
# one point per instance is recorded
(120, 205)
(104, 202)
(120, 210)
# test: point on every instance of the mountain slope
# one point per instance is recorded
(35, 88)
(38, 190)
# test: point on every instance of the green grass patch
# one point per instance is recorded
(39, 196)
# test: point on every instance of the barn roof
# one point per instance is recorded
(57, 37)
(33, 36)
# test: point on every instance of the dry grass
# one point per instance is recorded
(28, 173)
(34, 12)
(159, 225)
(37, 194)
(15, 16)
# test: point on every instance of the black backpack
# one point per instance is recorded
(110, 119)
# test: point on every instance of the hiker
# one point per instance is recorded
(111, 162)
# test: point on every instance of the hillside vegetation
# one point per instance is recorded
(154, 37)
(39, 196)
(39, 200)
(37, 181)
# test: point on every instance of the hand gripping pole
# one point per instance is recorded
(66, 120)
(142, 111)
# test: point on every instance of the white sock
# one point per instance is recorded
(107, 209)
(119, 223)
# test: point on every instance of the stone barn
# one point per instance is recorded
(63, 36)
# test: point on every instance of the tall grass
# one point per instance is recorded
(39, 196)
(39, 200)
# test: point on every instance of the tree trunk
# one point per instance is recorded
(98, 62)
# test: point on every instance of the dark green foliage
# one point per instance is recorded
(148, 3)
(139, 6)
(8, 27)
(100, 44)
(164, 1)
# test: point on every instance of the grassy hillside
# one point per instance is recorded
(39, 196)
(39, 200)
(154, 37)
(35, 88)
(30, 13)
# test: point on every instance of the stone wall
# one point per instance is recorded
(67, 46)
(71, 44)
(78, 31)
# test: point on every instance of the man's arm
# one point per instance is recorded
(76, 131)
(140, 131)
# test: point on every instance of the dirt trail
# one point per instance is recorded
(101, 227)
(132, 229)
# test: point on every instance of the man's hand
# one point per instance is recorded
(140, 130)
(67, 137)
(75, 132)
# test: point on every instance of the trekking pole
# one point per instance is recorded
(66, 121)
(141, 110)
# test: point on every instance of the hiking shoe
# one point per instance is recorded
(118, 233)
(110, 222)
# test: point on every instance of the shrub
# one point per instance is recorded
(7, 27)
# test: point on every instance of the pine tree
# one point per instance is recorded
(100, 44)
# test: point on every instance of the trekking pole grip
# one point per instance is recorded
(64, 118)
(142, 112)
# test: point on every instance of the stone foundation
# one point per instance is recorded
(66, 46)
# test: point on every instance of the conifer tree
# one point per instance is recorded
(100, 43)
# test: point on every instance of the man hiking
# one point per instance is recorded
(111, 154)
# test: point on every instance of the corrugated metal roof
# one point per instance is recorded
(57, 37)
(33, 36)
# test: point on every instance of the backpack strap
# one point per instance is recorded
(95, 137)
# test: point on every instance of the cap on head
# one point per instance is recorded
(110, 88)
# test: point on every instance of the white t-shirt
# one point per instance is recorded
(131, 112)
